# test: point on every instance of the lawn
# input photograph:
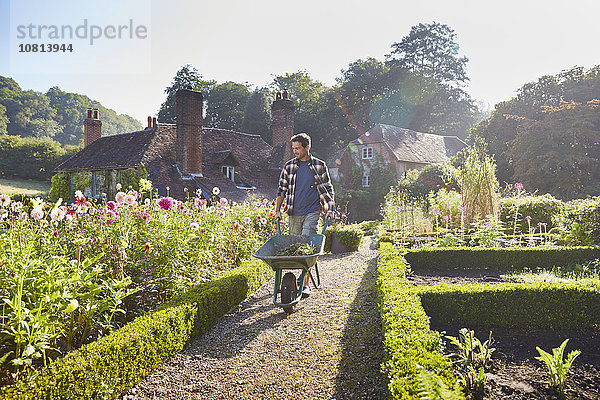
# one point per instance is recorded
(26, 187)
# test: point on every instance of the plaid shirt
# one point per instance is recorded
(287, 184)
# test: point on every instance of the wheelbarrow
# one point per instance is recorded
(285, 284)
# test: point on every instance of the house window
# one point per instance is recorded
(365, 181)
(367, 152)
(229, 172)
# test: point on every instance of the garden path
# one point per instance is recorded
(330, 347)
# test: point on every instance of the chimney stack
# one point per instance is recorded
(188, 145)
(149, 122)
(92, 127)
(282, 112)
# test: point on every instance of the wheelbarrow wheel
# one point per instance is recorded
(288, 290)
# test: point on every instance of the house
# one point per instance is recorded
(184, 157)
(399, 148)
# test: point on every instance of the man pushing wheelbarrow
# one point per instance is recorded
(304, 190)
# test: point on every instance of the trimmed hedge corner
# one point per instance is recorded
(409, 342)
(540, 305)
(499, 258)
(115, 363)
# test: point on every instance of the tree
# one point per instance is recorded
(3, 120)
(257, 114)
(187, 77)
(430, 52)
(361, 84)
(560, 152)
(225, 106)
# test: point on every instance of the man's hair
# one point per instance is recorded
(302, 138)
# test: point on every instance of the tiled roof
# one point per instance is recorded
(411, 146)
(111, 151)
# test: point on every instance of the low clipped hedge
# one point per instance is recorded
(498, 258)
(115, 363)
(539, 305)
(409, 342)
(348, 235)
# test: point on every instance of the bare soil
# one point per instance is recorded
(514, 372)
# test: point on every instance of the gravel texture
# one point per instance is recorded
(330, 347)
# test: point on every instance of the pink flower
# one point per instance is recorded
(436, 212)
(223, 202)
(462, 208)
(111, 205)
(181, 207)
(518, 186)
(528, 218)
(166, 203)
(247, 220)
(120, 197)
(145, 217)
(446, 217)
(37, 213)
(130, 200)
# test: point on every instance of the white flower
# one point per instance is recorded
(16, 206)
(118, 186)
(120, 197)
(37, 202)
(4, 200)
(147, 202)
(216, 191)
(130, 199)
(78, 194)
(57, 214)
(37, 213)
(195, 226)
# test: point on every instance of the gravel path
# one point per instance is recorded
(329, 348)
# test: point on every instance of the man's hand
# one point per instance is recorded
(330, 215)
(278, 214)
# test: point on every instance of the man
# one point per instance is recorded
(305, 190)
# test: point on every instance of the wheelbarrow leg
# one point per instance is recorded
(316, 284)
(277, 284)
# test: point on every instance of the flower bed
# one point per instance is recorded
(113, 364)
(73, 273)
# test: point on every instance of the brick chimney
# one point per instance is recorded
(282, 114)
(188, 145)
(92, 127)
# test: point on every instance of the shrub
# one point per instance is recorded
(348, 235)
(113, 364)
(411, 347)
(542, 209)
(539, 305)
(499, 258)
(580, 222)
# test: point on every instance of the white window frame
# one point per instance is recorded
(229, 172)
(365, 181)
(367, 152)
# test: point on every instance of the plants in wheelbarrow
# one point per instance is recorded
(299, 249)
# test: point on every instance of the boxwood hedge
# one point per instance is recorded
(115, 363)
(409, 343)
(539, 305)
(499, 258)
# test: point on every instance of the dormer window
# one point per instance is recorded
(229, 172)
(367, 152)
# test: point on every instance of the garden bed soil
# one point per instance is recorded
(514, 372)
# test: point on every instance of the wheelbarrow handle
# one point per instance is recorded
(322, 233)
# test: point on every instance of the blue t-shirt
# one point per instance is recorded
(306, 196)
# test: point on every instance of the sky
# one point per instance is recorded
(508, 43)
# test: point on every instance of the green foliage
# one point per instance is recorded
(503, 259)
(257, 115)
(472, 358)
(410, 345)
(114, 364)
(487, 231)
(538, 305)
(576, 84)
(61, 187)
(557, 367)
(226, 103)
(445, 207)
(130, 178)
(580, 222)
(31, 158)
(542, 209)
(298, 249)
(432, 387)
(349, 235)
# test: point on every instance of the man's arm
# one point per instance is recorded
(278, 204)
